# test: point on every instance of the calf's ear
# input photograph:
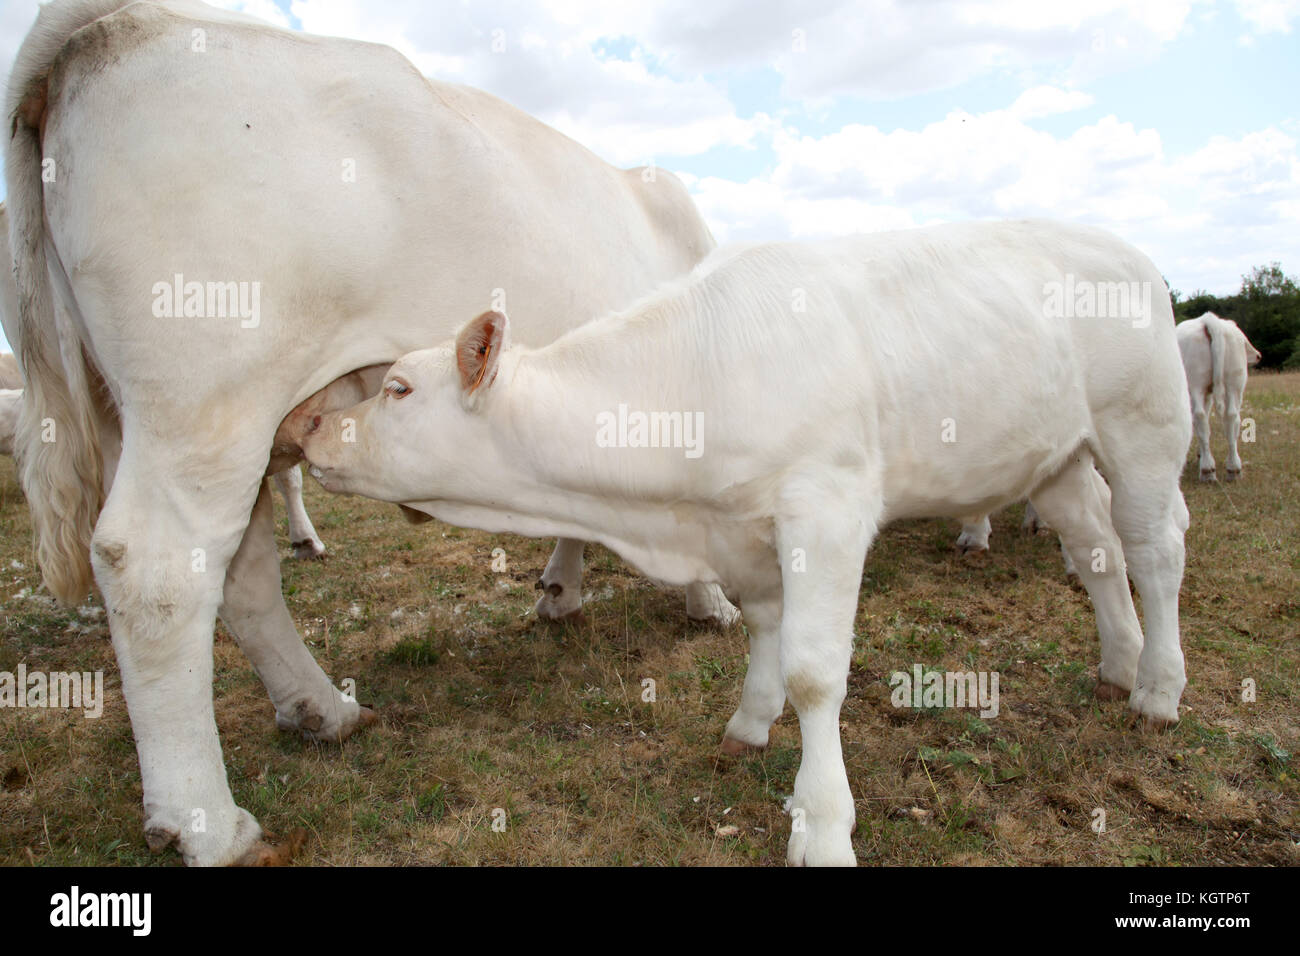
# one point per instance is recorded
(478, 351)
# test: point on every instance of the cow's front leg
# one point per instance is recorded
(974, 534)
(160, 552)
(820, 598)
(763, 696)
(304, 540)
(706, 604)
(253, 609)
(561, 582)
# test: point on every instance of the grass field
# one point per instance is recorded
(485, 713)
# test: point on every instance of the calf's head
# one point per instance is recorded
(418, 439)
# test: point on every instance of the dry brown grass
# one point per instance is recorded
(482, 707)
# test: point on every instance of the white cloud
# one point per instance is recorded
(1040, 101)
(1205, 217)
(1269, 16)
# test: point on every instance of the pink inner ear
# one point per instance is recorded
(474, 350)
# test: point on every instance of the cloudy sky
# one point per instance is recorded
(1172, 122)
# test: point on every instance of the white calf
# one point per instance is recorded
(712, 434)
(1216, 354)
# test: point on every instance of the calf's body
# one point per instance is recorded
(822, 378)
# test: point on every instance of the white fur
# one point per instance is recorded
(822, 425)
(1216, 355)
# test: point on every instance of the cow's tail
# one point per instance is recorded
(1218, 351)
(57, 443)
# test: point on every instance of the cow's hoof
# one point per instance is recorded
(159, 838)
(365, 717)
(308, 550)
(557, 602)
(270, 851)
(549, 614)
(719, 622)
(1207, 474)
(1232, 475)
(1108, 691)
(731, 747)
(1073, 580)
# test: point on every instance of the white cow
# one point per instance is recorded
(798, 436)
(229, 231)
(304, 540)
(1216, 354)
(11, 405)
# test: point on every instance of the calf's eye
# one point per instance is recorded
(397, 388)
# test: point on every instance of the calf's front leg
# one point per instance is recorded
(818, 607)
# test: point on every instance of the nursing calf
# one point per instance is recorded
(1216, 354)
(817, 381)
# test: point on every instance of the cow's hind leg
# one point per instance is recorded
(1232, 422)
(1076, 503)
(253, 609)
(1201, 422)
(160, 552)
(304, 540)
(561, 582)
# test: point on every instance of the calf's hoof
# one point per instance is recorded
(1108, 691)
(1232, 475)
(1207, 474)
(731, 747)
(271, 851)
(309, 550)
(1155, 708)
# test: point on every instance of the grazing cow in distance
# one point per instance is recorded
(11, 376)
(1216, 355)
(11, 405)
(812, 432)
(187, 283)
